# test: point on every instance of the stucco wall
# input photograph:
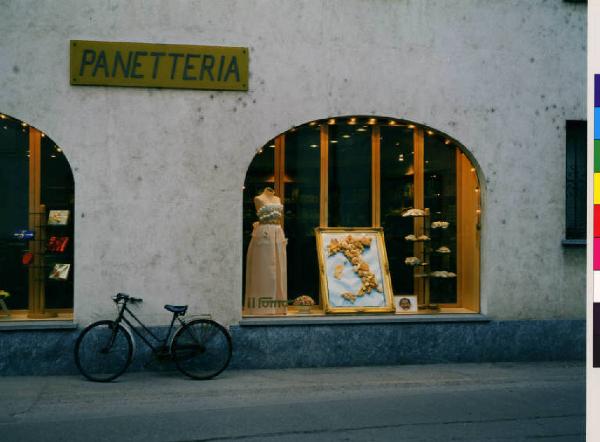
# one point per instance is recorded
(159, 173)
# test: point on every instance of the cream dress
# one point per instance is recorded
(266, 268)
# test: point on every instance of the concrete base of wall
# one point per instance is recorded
(45, 352)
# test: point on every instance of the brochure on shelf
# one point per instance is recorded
(58, 217)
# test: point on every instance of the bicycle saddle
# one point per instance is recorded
(179, 309)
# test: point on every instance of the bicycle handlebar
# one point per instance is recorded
(125, 297)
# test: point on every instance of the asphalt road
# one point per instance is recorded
(473, 402)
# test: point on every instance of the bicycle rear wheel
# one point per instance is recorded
(103, 351)
(201, 349)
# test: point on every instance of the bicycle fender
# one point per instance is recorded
(130, 333)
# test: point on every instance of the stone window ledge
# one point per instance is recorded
(8, 325)
(573, 243)
(360, 320)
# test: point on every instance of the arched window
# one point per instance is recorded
(36, 226)
(368, 172)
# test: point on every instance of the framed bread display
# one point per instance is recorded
(354, 271)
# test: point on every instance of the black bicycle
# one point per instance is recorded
(201, 348)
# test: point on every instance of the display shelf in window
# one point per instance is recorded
(443, 276)
(420, 261)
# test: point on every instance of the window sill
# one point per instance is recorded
(362, 319)
(575, 243)
(22, 322)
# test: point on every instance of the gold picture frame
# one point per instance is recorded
(353, 270)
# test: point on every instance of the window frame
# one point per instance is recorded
(468, 202)
(575, 183)
(37, 215)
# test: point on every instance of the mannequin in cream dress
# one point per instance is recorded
(266, 261)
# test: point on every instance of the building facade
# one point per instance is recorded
(159, 180)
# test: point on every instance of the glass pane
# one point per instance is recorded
(350, 175)
(440, 198)
(261, 173)
(576, 182)
(57, 193)
(302, 210)
(397, 195)
(14, 208)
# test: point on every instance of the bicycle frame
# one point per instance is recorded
(162, 343)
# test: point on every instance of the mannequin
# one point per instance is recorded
(266, 261)
(266, 197)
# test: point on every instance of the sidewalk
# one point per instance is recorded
(503, 401)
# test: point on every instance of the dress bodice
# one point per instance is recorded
(270, 214)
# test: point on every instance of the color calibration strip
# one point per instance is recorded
(596, 246)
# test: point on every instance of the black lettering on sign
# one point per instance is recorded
(120, 62)
(188, 66)
(175, 56)
(101, 64)
(137, 64)
(207, 64)
(87, 58)
(221, 63)
(233, 69)
(156, 56)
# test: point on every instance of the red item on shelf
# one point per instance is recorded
(27, 258)
(57, 244)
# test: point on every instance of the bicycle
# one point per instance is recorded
(201, 348)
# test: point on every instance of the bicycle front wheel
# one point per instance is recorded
(201, 349)
(103, 351)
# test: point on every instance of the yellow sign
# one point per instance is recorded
(102, 63)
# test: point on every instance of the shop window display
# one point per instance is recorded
(413, 183)
(36, 227)
(349, 174)
(302, 192)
